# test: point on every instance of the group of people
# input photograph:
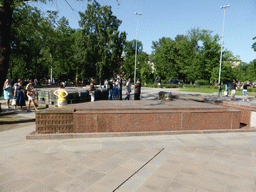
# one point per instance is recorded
(114, 88)
(18, 97)
(234, 87)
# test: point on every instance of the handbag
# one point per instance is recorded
(13, 102)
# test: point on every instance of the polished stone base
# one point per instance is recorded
(136, 116)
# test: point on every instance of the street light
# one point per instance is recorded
(222, 7)
(138, 14)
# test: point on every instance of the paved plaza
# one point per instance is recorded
(220, 162)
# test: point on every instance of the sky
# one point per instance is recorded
(169, 18)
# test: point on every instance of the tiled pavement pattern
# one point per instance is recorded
(203, 162)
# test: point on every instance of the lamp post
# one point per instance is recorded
(222, 7)
(138, 14)
(51, 66)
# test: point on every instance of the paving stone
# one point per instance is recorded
(121, 172)
(94, 188)
(89, 177)
(133, 164)
(109, 164)
(70, 156)
(172, 166)
(89, 162)
(60, 165)
(216, 175)
(39, 187)
(187, 179)
(174, 186)
(132, 184)
(205, 190)
(18, 184)
(212, 184)
(109, 183)
(241, 159)
(164, 173)
(203, 151)
(129, 153)
(198, 162)
(104, 155)
(74, 170)
(193, 170)
(4, 189)
(74, 185)
(147, 171)
(8, 176)
(249, 188)
(40, 174)
(56, 180)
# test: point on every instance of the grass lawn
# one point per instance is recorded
(211, 91)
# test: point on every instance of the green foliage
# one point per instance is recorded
(201, 82)
(162, 85)
(190, 57)
(245, 72)
(143, 69)
(100, 44)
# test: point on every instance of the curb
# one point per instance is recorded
(35, 136)
(5, 112)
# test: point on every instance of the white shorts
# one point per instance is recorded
(30, 97)
(233, 92)
(62, 103)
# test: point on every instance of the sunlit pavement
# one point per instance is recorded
(189, 162)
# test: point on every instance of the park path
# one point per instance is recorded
(190, 162)
(204, 162)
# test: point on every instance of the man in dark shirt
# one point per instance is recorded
(137, 90)
(233, 90)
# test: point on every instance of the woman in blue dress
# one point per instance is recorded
(7, 92)
(19, 94)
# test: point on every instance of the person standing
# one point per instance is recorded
(226, 89)
(137, 90)
(128, 89)
(92, 90)
(233, 90)
(61, 93)
(110, 91)
(220, 91)
(30, 94)
(19, 94)
(7, 92)
(106, 84)
(245, 92)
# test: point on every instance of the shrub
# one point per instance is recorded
(202, 82)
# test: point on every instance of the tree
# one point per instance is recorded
(254, 44)
(100, 44)
(129, 59)
(6, 12)
(25, 42)
(189, 57)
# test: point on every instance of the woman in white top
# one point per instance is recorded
(30, 94)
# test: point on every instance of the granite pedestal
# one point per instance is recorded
(136, 116)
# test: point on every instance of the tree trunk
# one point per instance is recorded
(5, 31)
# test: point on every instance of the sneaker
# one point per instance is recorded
(243, 99)
(247, 99)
